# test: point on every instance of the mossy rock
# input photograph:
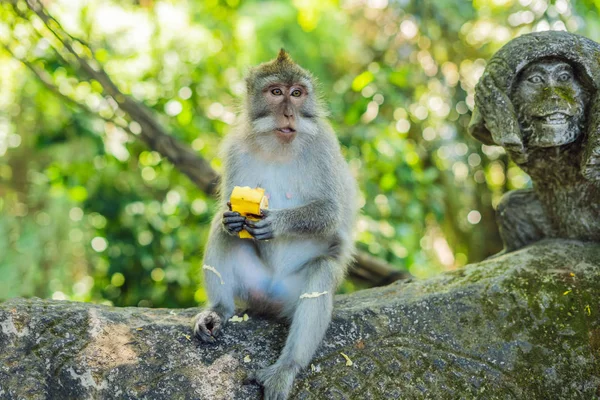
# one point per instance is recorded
(524, 325)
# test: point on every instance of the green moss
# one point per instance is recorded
(546, 309)
(565, 93)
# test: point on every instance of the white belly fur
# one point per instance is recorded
(280, 275)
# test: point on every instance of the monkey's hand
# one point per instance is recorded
(233, 222)
(264, 228)
(208, 325)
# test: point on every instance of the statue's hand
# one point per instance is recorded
(500, 118)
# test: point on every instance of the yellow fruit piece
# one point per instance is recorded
(248, 202)
(349, 362)
(244, 234)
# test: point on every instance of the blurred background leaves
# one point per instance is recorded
(89, 213)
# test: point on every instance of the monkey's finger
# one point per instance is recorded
(264, 236)
(234, 219)
(216, 330)
(227, 214)
(229, 205)
(202, 325)
(206, 338)
(258, 224)
(233, 225)
(233, 232)
(202, 332)
(258, 231)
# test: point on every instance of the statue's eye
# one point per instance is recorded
(276, 92)
(564, 77)
(536, 79)
(296, 93)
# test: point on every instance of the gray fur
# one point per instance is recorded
(312, 208)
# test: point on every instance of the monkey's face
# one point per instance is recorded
(283, 110)
(285, 103)
(550, 103)
(282, 107)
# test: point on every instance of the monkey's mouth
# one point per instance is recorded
(286, 134)
(287, 130)
(555, 118)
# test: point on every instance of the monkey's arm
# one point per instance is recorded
(319, 217)
(218, 268)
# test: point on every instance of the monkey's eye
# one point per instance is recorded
(564, 77)
(296, 93)
(277, 92)
(536, 79)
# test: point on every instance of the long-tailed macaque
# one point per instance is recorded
(303, 242)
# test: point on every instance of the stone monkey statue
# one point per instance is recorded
(538, 98)
(303, 243)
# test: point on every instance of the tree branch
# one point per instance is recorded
(153, 134)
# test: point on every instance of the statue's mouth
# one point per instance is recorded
(553, 129)
(555, 118)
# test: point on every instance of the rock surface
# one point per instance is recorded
(523, 325)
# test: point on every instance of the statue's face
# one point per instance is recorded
(550, 103)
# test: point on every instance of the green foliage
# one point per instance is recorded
(87, 212)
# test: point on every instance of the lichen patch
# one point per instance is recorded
(87, 380)
(8, 328)
(218, 380)
(110, 344)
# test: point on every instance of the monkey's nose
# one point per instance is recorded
(288, 112)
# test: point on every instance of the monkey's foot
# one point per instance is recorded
(277, 380)
(208, 325)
